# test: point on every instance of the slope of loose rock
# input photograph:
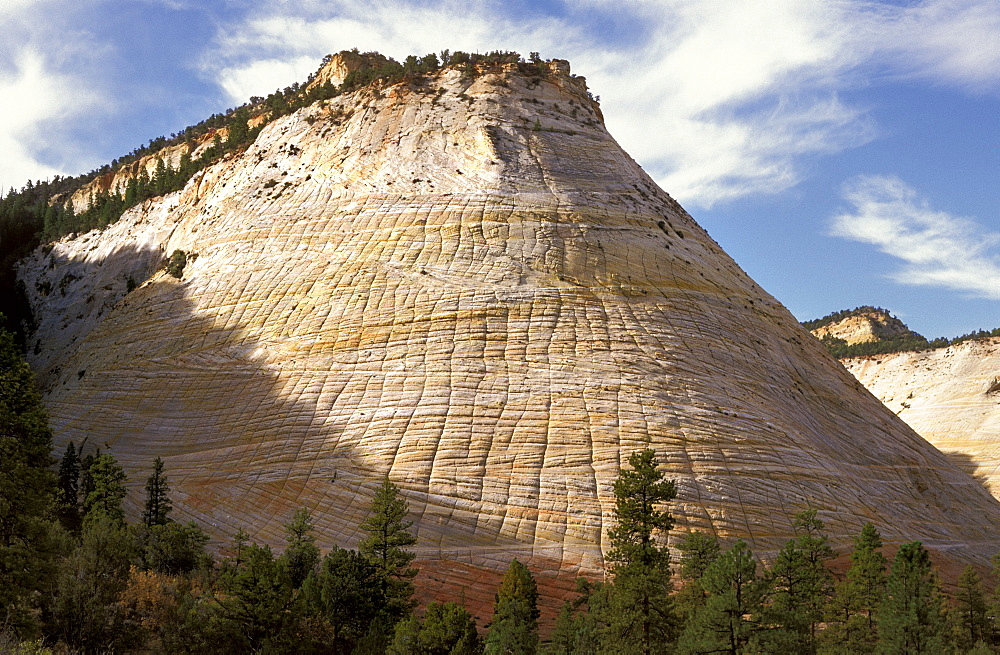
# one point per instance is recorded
(465, 284)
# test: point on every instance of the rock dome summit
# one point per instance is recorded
(460, 281)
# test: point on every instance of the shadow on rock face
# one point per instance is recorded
(968, 464)
(148, 375)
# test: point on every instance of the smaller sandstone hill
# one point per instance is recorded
(946, 390)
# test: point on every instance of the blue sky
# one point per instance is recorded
(844, 152)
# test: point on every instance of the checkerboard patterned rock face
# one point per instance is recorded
(466, 286)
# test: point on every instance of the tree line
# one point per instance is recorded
(911, 342)
(75, 575)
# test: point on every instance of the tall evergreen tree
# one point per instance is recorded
(642, 617)
(85, 611)
(699, 551)
(106, 489)
(801, 587)
(851, 613)
(972, 620)
(345, 594)
(580, 626)
(911, 617)
(446, 629)
(27, 486)
(258, 596)
(301, 553)
(514, 628)
(729, 620)
(158, 505)
(68, 496)
(385, 546)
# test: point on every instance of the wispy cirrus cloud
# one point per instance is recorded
(936, 248)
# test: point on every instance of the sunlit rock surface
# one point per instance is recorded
(467, 286)
(951, 396)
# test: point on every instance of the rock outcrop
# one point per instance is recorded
(951, 396)
(865, 327)
(464, 284)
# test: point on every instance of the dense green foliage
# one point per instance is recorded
(158, 503)
(385, 546)
(445, 629)
(887, 345)
(29, 538)
(642, 618)
(911, 617)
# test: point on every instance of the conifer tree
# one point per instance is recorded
(27, 487)
(385, 546)
(68, 498)
(106, 489)
(851, 613)
(446, 629)
(84, 611)
(642, 617)
(258, 596)
(301, 553)
(158, 505)
(801, 587)
(972, 621)
(729, 620)
(514, 628)
(344, 593)
(911, 616)
(699, 551)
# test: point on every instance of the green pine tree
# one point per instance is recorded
(699, 551)
(514, 628)
(385, 546)
(105, 489)
(729, 620)
(802, 586)
(68, 496)
(344, 593)
(851, 613)
(257, 599)
(971, 615)
(911, 616)
(642, 617)
(158, 505)
(446, 629)
(301, 553)
(27, 489)
(84, 611)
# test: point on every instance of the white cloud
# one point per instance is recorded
(38, 96)
(718, 99)
(938, 249)
(954, 41)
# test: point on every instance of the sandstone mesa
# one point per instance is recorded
(464, 284)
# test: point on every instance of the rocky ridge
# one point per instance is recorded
(463, 283)
(864, 327)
